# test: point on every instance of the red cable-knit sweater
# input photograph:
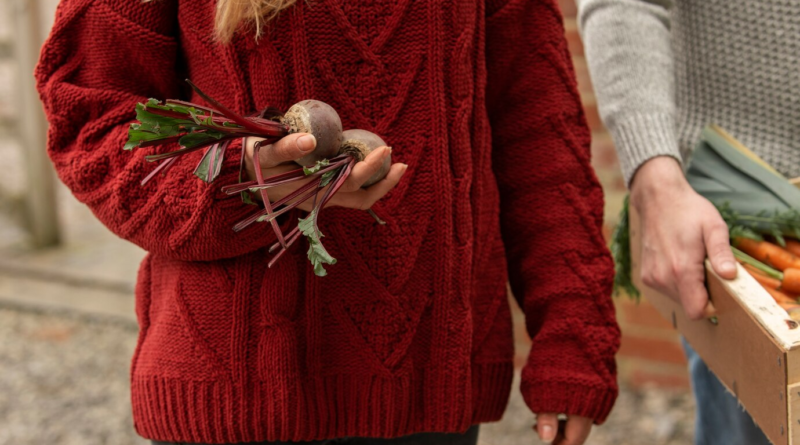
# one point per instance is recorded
(410, 331)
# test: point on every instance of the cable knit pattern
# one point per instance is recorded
(411, 330)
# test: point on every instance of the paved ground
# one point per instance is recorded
(64, 381)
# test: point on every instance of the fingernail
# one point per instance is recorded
(307, 142)
(385, 153)
(547, 433)
(727, 266)
(405, 167)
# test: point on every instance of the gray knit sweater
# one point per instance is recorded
(664, 69)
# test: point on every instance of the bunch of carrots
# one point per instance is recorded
(776, 268)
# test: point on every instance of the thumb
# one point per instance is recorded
(287, 149)
(718, 249)
(547, 426)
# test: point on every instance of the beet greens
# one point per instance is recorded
(196, 127)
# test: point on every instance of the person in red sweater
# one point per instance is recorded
(409, 336)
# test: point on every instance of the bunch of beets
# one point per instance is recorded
(213, 128)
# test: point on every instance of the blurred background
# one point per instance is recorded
(67, 327)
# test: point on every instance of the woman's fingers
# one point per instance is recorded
(365, 169)
(576, 431)
(363, 199)
(287, 149)
(360, 199)
(547, 426)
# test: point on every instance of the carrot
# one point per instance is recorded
(781, 297)
(764, 280)
(768, 253)
(793, 247)
(791, 281)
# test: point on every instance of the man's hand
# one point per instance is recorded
(679, 230)
(573, 431)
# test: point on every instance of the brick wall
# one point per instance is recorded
(651, 352)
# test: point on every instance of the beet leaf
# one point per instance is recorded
(316, 251)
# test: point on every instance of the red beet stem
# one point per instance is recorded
(189, 104)
(183, 151)
(338, 182)
(242, 186)
(280, 179)
(291, 206)
(292, 238)
(273, 129)
(154, 142)
(298, 192)
(163, 167)
(241, 225)
(291, 234)
(244, 122)
(264, 195)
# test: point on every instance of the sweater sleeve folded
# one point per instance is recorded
(99, 61)
(551, 212)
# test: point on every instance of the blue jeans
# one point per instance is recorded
(720, 419)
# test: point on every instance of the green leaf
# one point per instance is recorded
(326, 178)
(246, 199)
(203, 168)
(737, 231)
(191, 140)
(136, 135)
(621, 251)
(316, 251)
(316, 167)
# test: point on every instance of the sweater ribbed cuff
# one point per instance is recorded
(641, 137)
(570, 399)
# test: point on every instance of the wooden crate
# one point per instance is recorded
(754, 348)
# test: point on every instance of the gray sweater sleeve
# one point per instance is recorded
(628, 50)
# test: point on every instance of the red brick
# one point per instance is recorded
(608, 229)
(618, 184)
(644, 314)
(573, 38)
(641, 378)
(568, 8)
(604, 154)
(652, 349)
(593, 118)
(584, 79)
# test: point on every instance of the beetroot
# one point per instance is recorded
(213, 128)
(359, 143)
(319, 119)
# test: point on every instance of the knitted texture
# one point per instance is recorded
(663, 70)
(411, 329)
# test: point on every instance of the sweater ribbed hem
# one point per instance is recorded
(640, 138)
(174, 410)
(564, 398)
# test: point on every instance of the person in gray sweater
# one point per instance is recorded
(662, 70)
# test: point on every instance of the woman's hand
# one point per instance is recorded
(279, 158)
(573, 431)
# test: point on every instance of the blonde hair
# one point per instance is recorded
(252, 13)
